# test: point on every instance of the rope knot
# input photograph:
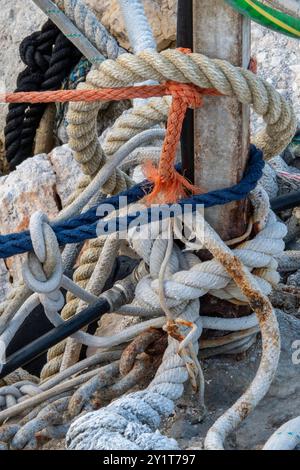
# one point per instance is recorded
(189, 94)
(170, 186)
(43, 270)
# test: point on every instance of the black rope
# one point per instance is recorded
(49, 57)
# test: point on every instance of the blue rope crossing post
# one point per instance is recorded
(84, 227)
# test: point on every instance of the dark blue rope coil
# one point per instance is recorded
(84, 226)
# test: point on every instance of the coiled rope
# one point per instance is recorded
(85, 142)
(49, 57)
(90, 152)
(268, 365)
(103, 251)
(131, 422)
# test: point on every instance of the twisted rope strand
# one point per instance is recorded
(85, 226)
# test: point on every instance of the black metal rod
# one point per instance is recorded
(39, 346)
(288, 201)
(185, 39)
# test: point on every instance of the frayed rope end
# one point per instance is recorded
(167, 192)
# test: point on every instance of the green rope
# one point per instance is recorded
(268, 17)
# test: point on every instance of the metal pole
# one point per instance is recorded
(70, 30)
(185, 39)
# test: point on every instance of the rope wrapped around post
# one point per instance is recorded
(130, 422)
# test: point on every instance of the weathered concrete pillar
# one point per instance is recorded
(222, 124)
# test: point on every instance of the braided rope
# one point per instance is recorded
(82, 274)
(35, 52)
(50, 57)
(88, 224)
(98, 35)
(176, 66)
(90, 26)
(138, 28)
(90, 256)
(134, 121)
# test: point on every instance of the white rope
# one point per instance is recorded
(90, 26)
(138, 29)
(132, 422)
(139, 33)
(107, 170)
(287, 437)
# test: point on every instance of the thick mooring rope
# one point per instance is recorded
(135, 21)
(130, 423)
(85, 144)
(192, 68)
(91, 27)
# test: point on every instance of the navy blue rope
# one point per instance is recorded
(84, 226)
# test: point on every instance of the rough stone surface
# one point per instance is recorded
(18, 19)
(40, 183)
(66, 170)
(44, 183)
(278, 63)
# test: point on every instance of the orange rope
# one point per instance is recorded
(103, 94)
(169, 186)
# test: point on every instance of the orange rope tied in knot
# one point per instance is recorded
(169, 186)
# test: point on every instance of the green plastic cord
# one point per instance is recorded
(268, 17)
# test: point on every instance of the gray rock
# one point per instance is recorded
(39, 183)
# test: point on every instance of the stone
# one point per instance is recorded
(161, 14)
(294, 279)
(43, 183)
(67, 172)
(278, 63)
(18, 19)
(269, 181)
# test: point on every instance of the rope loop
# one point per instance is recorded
(43, 270)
